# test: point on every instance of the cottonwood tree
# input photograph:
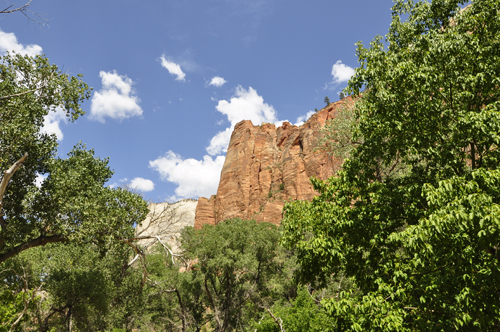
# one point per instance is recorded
(237, 270)
(420, 246)
(73, 203)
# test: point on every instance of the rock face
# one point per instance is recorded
(266, 166)
(166, 221)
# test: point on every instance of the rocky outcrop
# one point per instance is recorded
(266, 166)
(165, 221)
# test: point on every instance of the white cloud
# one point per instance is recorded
(8, 42)
(220, 142)
(302, 119)
(341, 72)
(51, 123)
(142, 184)
(217, 81)
(173, 69)
(116, 99)
(194, 177)
(244, 105)
(39, 179)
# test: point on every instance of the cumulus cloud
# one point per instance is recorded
(217, 81)
(8, 42)
(220, 142)
(304, 118)
(141, 184)
(341, 72)
(244, 105)
(51, 123)
(116, 99)
(194, 178)
(173, 69)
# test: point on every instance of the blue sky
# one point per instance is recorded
(171, 78)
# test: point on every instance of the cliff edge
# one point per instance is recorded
(266, 166)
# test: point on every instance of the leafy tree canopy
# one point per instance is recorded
(413, 217)
(239, 264)
(72, 203)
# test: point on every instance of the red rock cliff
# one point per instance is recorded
(264, 167)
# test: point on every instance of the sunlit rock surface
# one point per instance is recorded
(166, 221)
(266, 166)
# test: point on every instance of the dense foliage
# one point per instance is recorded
(72, 205)
(413, 216)
(235, 270)
(229, 277)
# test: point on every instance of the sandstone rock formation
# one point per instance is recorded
(166, 221)
(266, 166)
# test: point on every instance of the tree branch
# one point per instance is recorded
(40, 241)
(278, 320)
(23, 8)
(26, 12)
(6, 178)
(216, 311)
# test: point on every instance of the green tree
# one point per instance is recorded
(413, 217)
(72, 204)
(241, 269)
(341, 95)
(337, 134)
(76, 287)
(302, 314)
(327, 101)
(224, 280)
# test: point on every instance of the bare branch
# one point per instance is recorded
(9, 9)
(278, 320)
(24, 9)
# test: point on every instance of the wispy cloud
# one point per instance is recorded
(116, 99)
(8, 42)
(173, 68)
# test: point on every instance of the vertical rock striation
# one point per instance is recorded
(266, 166)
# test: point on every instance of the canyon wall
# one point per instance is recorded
(266, 166)
(166, 221)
